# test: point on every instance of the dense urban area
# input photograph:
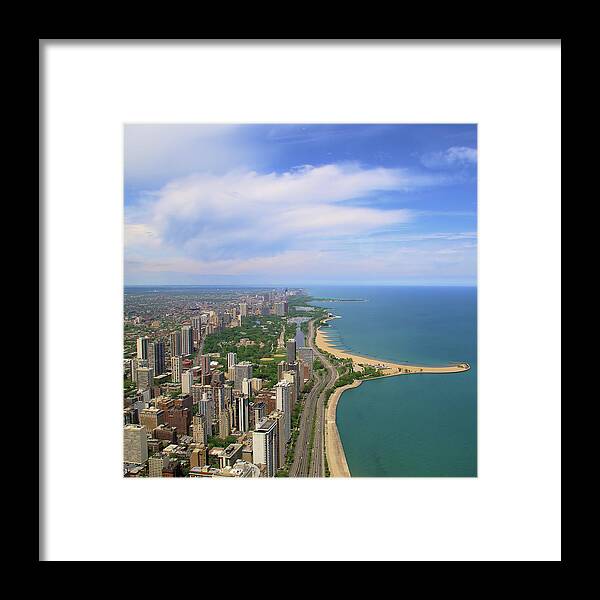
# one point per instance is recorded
(226, 383)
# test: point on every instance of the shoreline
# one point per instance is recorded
(334, 449)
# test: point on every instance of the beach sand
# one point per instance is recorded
(388, 368)
(336, 458)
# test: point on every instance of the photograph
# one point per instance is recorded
(300, 300)
(331, 267)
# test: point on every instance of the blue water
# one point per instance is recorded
(413, 425)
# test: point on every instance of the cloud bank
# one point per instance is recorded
(247, 222)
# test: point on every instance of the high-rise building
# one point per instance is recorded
(175, 343)
(243, 370)
(291, 350)
(155, 465)
(264, 446)
(279, 418)
(224, 425)
(142, 348)
(206, 409)
(151, 418)
(231, 359)
(187, 340)
(145, 378)
(176, 364)
(281, 309)
(196, 322)
(282, 367)
(205, 368)
(187, 381)
(306, 355)
(259, 412)
(291, 377)
(243, 309)
(198, 457)
(284, 404)
(300, 339)
(199, 433)
(243, 413)
(156, 358)
(135, 444)
(247, 387)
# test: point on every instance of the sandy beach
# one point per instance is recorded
(336, 458)
(386, 367)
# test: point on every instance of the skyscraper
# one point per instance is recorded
(231, 359)
(259, 412)
(247, 387)
(284, 404)
(135, 444)
(205, 368)
(187, 381)
(243, 309)
(199, 431)
(145, 377)
(300, 339)
(291, 350)
(176, 369)
(187, 340)
(157, 357)
(224, 426)
(281, 309)
(243, 413)
(243, 371)
(206, 409)
(142, 348)
(264, 446)
(175, 343)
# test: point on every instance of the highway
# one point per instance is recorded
(307, 462)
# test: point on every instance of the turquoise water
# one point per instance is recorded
(413, 425)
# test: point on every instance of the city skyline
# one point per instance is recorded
(300, 204)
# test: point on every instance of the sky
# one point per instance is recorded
(300, 204)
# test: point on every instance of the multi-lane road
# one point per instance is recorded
(309, 452)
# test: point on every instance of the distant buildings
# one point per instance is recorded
(281, 309)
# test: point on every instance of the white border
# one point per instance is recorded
(512, 510)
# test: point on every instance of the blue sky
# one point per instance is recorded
(301, 204)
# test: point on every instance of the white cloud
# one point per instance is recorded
(286, 226)
(244, 213)
(455, 156)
